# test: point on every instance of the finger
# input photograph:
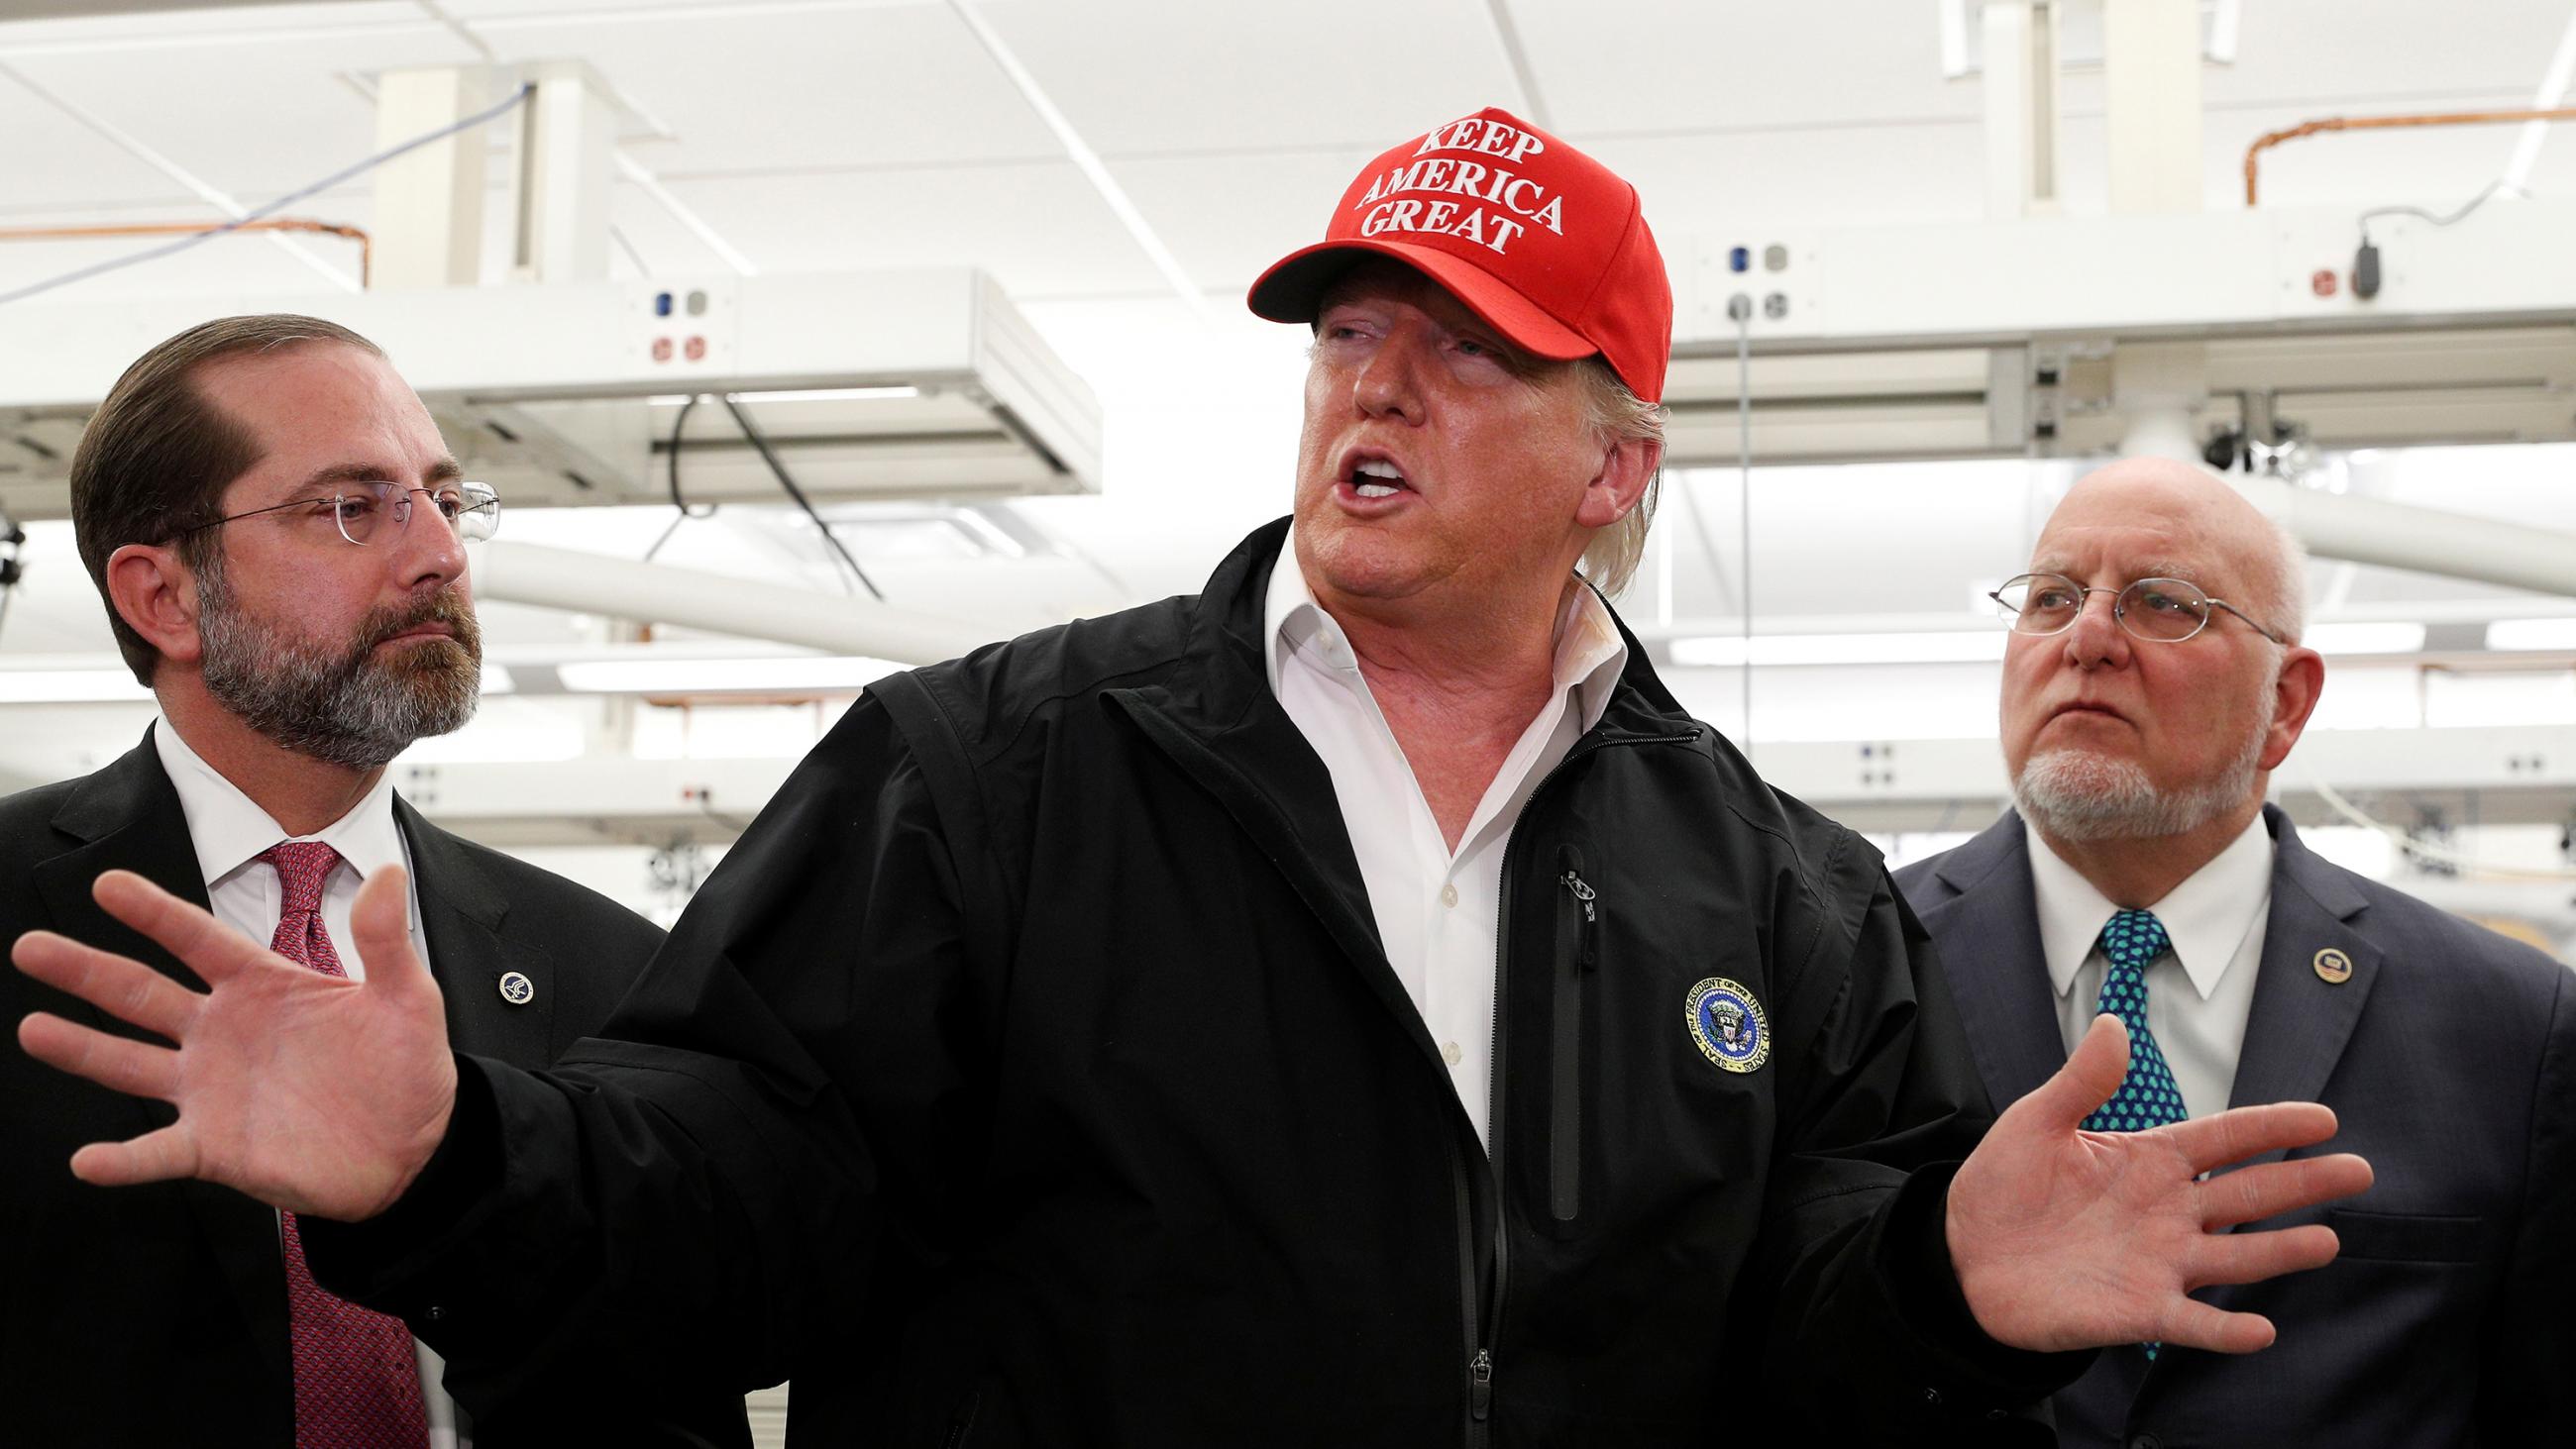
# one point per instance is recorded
(157, 1156)
(2252, 1193)
(212, 949)
(2253, 1257)
(380, 927)
(2191, 1323)
(138, 1068)
(2242, 1132)
(2091, 1074)
(118, 985)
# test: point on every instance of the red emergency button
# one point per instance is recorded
(697, 349)
(2324, 282)
(661, 349)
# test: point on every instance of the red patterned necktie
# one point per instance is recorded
(357, 1381)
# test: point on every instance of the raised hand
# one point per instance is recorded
(313, 1093)
(2064, 1238)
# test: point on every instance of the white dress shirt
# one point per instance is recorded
(230, 831)
(2200, 993)
(1438, 911)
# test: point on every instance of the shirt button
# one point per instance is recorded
(1449, 895)
(1449, 1053)
(2146, 1441)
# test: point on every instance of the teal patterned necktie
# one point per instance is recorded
(2147, 1096)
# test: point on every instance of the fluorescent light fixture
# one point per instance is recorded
(497, 680)
(1973, 646)
(70, 686)
(2365, 638)
(2521, 634)
(818, 674)
(795, 394)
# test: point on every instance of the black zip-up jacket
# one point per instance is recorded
(1031, 1073)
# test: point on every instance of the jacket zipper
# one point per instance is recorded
(1485, 1329)
(1565, 1097)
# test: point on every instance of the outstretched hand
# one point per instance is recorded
(313, 1093)
(2064, 1238)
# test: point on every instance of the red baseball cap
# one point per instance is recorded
(1539, 239)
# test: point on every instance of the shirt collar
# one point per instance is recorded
(2206, 917)
(230, 830)
(1590, 655)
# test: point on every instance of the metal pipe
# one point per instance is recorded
(2376, 123)
(366, 243)
(557, 578)
(2424, 540)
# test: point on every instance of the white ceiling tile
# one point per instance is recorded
(1848, 176)
(2384, 51)
(1147, 77)
(1038, 228)
(51, 163)
(253, 121)
(1617, 66)
(779, 90)
(1229, 217)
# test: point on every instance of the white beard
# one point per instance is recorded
(2076, 795)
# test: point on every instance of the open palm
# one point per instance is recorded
(313, 1093)
(2064, 1238)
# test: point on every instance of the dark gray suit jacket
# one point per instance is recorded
(157, 1314)
(2449, 1058)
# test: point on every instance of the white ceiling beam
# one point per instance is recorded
(1086, 160)
(1533, 104)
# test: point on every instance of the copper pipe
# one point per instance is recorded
(366, 244)
(2375, 123)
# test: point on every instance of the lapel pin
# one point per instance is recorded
(518, 990)
(2333, 967)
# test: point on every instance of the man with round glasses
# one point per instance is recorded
(276, 528)
(2153, 681)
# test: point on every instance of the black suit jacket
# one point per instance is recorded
(157, 1314)
(2449, 1057)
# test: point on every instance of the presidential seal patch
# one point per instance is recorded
(1729, 1025)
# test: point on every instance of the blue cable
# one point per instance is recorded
(280, 204)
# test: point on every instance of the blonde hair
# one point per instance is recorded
(1619, 415)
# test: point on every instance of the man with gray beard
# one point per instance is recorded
(277, 531)
(2152, 683)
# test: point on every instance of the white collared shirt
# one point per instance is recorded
(1438, 911)
(2200, 993)
(230, 831)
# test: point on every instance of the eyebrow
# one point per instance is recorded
(2151, 569)
(445, 470)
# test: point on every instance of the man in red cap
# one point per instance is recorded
(1354, 1005)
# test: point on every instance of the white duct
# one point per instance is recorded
(2392, 535)
(557, 578)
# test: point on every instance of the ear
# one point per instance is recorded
(156, 596)
(1627, 466)
(2294, 698)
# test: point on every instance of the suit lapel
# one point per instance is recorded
(461, 911)
(129, 818)
(2300, 1022)
(1988, 934)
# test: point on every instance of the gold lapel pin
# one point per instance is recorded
(2333, 967)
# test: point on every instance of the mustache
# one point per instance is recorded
(448, 606)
